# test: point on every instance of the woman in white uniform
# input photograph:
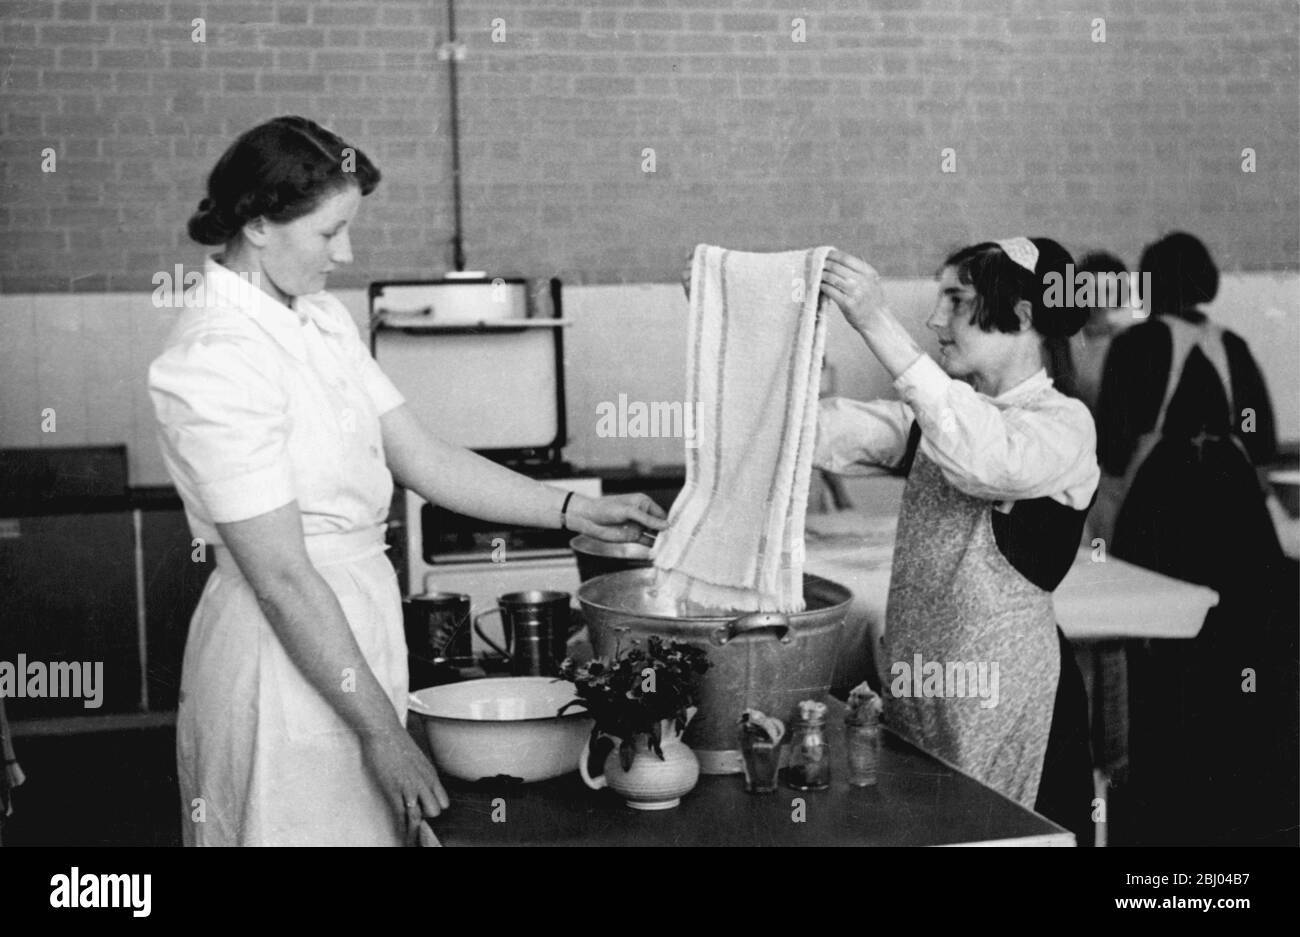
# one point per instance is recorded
(283, 438)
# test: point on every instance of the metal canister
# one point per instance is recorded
(437, 626)
(535, 626)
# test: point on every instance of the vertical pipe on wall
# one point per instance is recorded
(458, 241)
(141, 619)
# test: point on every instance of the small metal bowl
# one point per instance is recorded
(597, 557)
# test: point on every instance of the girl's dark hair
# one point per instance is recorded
(999, 283)
(279, 170)
(1183, 274)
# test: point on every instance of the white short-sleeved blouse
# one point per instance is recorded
(259, 405)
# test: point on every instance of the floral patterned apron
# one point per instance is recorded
(956, 601)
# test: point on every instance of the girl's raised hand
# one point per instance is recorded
(853, 285)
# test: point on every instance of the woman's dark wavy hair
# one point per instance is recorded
(999, 283)
(279, 170)
(1183, 275)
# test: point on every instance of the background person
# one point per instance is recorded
(1089, 348)
(1184, 428)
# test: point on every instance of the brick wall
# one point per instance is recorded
(759, 141)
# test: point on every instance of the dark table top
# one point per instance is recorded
(918, 801)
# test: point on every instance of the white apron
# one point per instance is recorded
(259, 406)
(263, 758)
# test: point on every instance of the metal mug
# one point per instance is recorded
(436, 626)
(536, 629)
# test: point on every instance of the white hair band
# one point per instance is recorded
(1020, 250)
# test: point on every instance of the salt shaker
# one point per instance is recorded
(809, 767)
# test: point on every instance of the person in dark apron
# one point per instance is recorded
(1001, 472)
(1184, 421)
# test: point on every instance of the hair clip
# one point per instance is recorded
(1021, 250)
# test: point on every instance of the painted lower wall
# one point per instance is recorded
(85, 356)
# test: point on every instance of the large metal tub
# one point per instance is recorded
(761, 661)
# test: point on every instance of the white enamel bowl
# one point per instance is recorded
(503, 726)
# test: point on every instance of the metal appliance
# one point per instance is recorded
(481, 362)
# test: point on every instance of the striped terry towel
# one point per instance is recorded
(735, 535)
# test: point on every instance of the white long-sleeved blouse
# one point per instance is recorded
(1031, 441)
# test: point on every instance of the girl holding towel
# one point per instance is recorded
(1001, 471)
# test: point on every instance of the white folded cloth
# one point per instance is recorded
(736, 532)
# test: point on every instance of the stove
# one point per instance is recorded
(481, 362)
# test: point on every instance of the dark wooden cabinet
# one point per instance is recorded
(68, 577)
(68, 587)
(94, 572)
(173, 582)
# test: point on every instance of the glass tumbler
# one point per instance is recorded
(863, 748)
(762, 759)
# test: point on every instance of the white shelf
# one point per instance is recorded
(425, 324)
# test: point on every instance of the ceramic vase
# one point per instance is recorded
(651, 783)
